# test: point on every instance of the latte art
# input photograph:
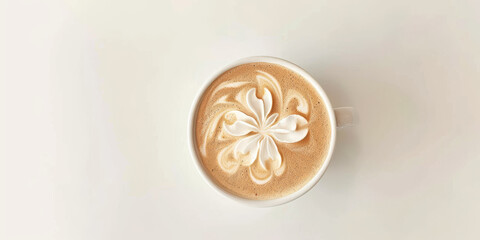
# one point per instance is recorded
(260, 146)
(254, 131)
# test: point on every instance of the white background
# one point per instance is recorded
(96, 97)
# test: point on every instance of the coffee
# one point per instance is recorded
(262, 131)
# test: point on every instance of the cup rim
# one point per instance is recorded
(197, 160)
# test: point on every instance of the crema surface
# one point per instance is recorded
(262, 131)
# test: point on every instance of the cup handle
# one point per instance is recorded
(345, 117)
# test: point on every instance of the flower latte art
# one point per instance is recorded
(261, 145)
(261, 131)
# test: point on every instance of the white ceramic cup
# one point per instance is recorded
(339, 117)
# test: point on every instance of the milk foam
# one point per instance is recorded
(255, 129)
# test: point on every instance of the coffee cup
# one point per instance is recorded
(334, 118)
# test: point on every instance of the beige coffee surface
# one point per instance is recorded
(291, 94)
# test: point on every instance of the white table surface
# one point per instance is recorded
(97, 95)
